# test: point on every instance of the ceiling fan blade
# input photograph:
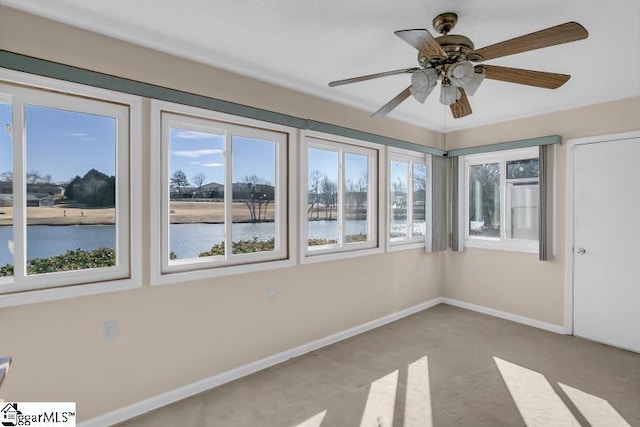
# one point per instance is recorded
(386, 108)
(461, 107)
(423, 41)
(372, 76)
(526, 77)
(563, 33)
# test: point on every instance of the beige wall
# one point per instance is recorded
(174, 335)
(515, 282)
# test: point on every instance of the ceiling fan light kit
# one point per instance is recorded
(449, 94)
(422, 83)
(448, 59)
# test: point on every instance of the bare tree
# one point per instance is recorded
(33, 177)
(253, 198)
(179, 180)
(315, 178)
(350, 193)
(6, 176)
(198, 180)
(399, 199)
(361, 198)
(329, 194)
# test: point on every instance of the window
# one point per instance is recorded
(502, 200)
(339, 195)
(64, 187)
(409, 198)
(224, 198)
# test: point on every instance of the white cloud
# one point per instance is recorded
(194, 154)
(194, 163)
(81, 136)
(213, 165)
(190, 134)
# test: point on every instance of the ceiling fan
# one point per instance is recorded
(448, 59)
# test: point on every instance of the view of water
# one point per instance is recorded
(186, 240)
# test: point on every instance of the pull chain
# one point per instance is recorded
(445, 127)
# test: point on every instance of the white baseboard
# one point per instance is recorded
(508, 316)
(144, 406)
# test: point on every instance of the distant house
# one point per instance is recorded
(39, 200)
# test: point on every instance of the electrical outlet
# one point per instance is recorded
(271, 293)
(109, 330)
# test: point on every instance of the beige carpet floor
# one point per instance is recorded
(482, 371)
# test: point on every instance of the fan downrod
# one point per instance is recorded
(445, 22)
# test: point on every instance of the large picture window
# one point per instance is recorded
(223, 193)
(339, 194)
(409, 198)
(502, 199)
(64, 189)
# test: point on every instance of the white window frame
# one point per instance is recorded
(410, 241)
(22, 88)
(502, 242)
(165, 115)
(340, 250)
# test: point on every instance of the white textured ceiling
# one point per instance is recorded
(305, 44)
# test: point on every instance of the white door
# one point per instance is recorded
(606, 250)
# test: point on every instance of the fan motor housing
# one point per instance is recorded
(455, 43)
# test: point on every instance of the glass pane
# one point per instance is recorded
(398, 199)
(484, 200)
(196, 194)
(6, 192)
(356, 181)
(254, 180)
(519, 169)
(71, 190)
(323, 197)
(524, 209)
(419, 199)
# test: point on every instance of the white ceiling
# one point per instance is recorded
(305, 44)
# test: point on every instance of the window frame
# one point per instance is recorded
(413, 242)
(341, 145)
(26, 89)
(162, 272)
(502, 242)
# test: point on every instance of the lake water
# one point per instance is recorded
(186, 240)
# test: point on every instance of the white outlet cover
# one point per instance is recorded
(109, 330)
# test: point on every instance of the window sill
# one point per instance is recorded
(208, 273)
(71, 291)
(335, 256)
(403, 246)
(525, 246)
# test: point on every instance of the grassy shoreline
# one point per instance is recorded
(181, 213)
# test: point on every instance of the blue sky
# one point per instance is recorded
(61, 143)
(64, 144)
(355, 165)
(399, 173)
(197, 152)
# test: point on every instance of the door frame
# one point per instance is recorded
(569, 216)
